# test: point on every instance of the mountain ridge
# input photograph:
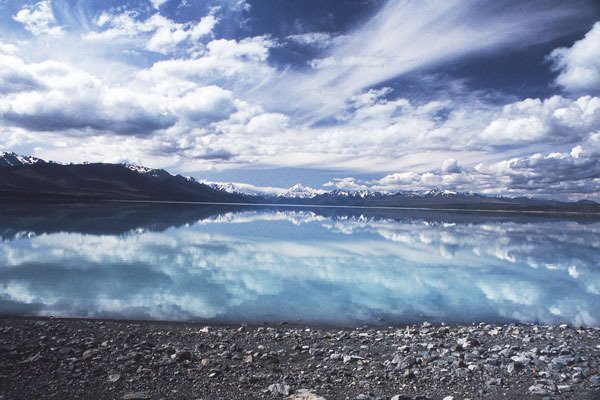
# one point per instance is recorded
(25, 177)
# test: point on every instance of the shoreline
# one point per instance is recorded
(48, 357)
(492, 210)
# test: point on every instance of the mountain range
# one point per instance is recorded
(30, 178)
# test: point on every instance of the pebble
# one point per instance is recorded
(111, 359)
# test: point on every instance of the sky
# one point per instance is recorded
(484, 96)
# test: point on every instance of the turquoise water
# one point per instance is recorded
(317, 266)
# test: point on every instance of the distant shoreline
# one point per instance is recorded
(70, 200)
(478, 210)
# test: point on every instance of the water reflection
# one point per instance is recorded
(327, 266)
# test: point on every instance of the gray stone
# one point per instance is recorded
(279, 389)
(136, 396)
(539, 389)
(304, 394)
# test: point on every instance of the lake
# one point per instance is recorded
(325, 266)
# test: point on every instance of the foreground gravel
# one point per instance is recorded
(88, 359)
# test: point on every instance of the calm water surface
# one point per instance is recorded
(320, 266)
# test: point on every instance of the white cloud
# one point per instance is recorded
(202, 102)
(407, 36)
(52, 96)
(569, 175)
(243, 62)
(7, 48)
(348, 183)
(320, 40)
(579, 65)
(161, 34)
(556, 119)
(205, 104)
(267, 123)
(39, 19)
(450, 166)
(157, 3)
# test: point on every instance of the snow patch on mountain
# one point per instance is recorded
(153, 172)
(296, 191)
(303, 192)
(9, 159)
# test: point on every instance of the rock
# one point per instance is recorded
(136, 396)
(279, 389)
(349, 359)
(115, 358)
(408, 374)
(494, 382)
(467, 342)
(539, 389)
(563, 360)
(184, 356)
(88, 354)
(304, 394)
(473, 367)
(66, 350)
(521, 360)
(408, 362)
(563, 388)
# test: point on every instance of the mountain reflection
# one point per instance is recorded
(323, 266)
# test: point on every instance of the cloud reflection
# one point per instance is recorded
(284, 265)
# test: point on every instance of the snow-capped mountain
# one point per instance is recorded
(302, 192)
(33, 178)
(9, 159)
(152, 172)
(297, 191)
(243, 188)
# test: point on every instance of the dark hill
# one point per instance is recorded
(104, 182)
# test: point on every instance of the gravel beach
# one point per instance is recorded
(93, 359)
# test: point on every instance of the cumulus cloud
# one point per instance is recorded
(570, 174)
(39, 19)
(450, 166)
(557, 119)
(244, 62)
(205, 104)
(349, 183)
(268, 123)
(578, 66)
(52, 96)
(162, 34)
